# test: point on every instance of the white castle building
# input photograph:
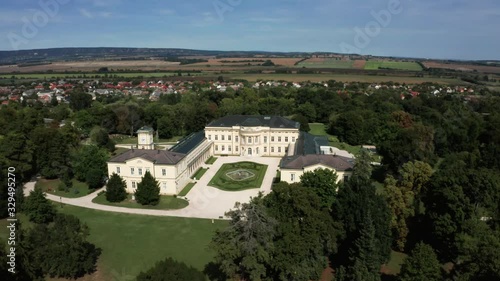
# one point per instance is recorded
(235, 135)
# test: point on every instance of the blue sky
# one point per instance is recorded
(455, 29)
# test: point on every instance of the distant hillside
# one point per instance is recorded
(75, 54)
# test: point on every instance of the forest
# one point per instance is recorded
(435, 196)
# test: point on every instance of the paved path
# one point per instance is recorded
(204, 201)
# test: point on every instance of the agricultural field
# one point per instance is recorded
(396, 65)
(326, 63)
(462, 67)
(144, 65)
(340, 77)
(96, 75)
(254, 61)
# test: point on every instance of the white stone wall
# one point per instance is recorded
(293, 176)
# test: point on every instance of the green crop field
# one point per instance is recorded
(327, 63)
(397, 65)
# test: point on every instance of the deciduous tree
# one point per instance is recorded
(422, 264)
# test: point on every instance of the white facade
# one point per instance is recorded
(145, 138)
(171, 177)
(251, 141)
(293, 175)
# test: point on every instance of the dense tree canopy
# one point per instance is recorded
(171, 270)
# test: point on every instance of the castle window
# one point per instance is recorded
(140, 171)
(279, 139)
(132, 171)
(272, 139)
(229, 137)
(265, 139)
(216, 137)
(133, 184)
(222, 137)
(236, 138)
(286, 139)
(118, 170)
(163, 172)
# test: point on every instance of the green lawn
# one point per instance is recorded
(166, 203)
(132, 243)
(211, 160)
(400, 65)
(120, 150)
(393, 267)
(79, 189)
(222, 181)
(124, 139)
(186, 189)
(199, 173)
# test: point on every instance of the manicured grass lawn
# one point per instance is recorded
(79, 189)
(317, 129)
(400, 65)
(119, 151)
(186, 189)
(222, 181)
(166, 203)
(211, 160)
(133, 243)
(199, 173)
(124, 139)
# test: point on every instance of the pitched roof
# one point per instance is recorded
(160, 157)
(145, 129)
(298, 162)
(255, 121)
(310, 144)
(189, 143)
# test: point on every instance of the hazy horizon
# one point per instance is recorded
(452, 29)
